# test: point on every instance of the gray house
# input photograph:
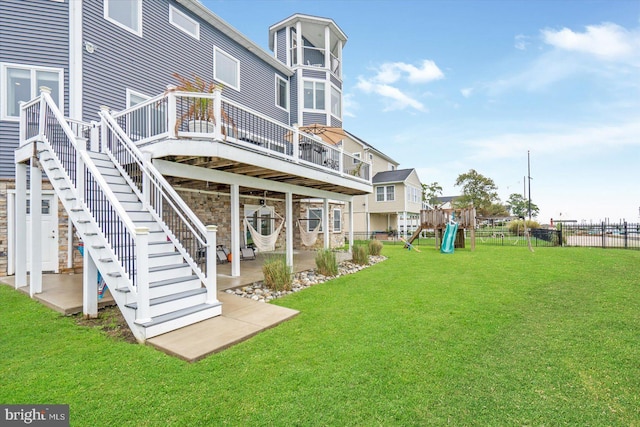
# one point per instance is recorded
(148, 172)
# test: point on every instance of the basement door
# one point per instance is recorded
(49, 237)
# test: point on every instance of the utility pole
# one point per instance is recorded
(529, 176)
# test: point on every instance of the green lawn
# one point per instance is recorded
(499, 337)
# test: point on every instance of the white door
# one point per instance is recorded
(49, 237)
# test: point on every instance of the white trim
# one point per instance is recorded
(137, 32)
(216, 49)
(75, 60)
(174, 11)
(385, 199)
(287, 96)
(319, 219)
(331, 103)
(35, 91)
(314, 109)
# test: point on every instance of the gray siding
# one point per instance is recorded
(336, 82)
(32, 33)
(315, 74)
(281, 46)
(336, 122)
(146, 64)
(311, 118)
(293, 88)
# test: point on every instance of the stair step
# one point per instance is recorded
(58, 178)
(175, 315)
(167, 267)
(70, 198)
(106, 260)
(169, 298)
(160, 283)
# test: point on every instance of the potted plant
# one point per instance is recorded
(196, 112)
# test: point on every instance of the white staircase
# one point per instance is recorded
(157, 282)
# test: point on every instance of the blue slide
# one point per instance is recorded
(449, 238)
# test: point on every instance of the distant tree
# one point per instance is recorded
(495, 209)
(430, 193)
(519, 206)
(477, 190)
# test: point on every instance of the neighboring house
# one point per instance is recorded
(396, 200)
(445, 203)
(140, 181)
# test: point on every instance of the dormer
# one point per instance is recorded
(312, 47)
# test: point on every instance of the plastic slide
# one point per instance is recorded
(449, 239)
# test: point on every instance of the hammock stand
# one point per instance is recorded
(265, 243)
(309, 237)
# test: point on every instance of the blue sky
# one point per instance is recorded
(448, 86)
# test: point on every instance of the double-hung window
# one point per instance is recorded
(226, 68)
(23, 82)
(125, 13)
(385, 193)
(336, 102)
(282, 93)
(314, 216)
(314, 95)
(337, 220)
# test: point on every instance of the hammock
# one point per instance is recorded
(309, 237)
(264, 243)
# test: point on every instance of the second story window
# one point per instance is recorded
(226, 68)
(282, 93)
(385, 193)
(314, 95)
(183, 22)
(125, 13)
(22, 83)
(336, 102)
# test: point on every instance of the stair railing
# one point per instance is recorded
(70, 154)
(182, 226)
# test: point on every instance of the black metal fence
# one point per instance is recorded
(604, 235)
(540, 237)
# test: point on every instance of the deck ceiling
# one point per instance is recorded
(235, 167)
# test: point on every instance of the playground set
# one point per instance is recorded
(449, 228)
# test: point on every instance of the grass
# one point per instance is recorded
(499, 336)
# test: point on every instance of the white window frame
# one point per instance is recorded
(286, 96)
(137, 32)
(315, 97)
(319, 218)
(339, 93)
(337, 217)
(217, 50)
(35, 91)
(174, 11)
(385, 193)
(356, 158)
(131, 92)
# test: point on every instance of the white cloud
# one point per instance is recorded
(574, 139)
(607, 41)
(390, 75)
(349, 106)
(466, 92)
(521, 42)
(399, 100)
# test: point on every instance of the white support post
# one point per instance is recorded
(296, 142)
(35, 281)
(350, 204)
(172, 112)
(289, 229)
(21, 225)
(327, 47)
(89, 286)
(325, 222)
(43, 108)
(341, 158)
(235, 230)
(103, 129)
(143, 313)
(69, 243)
(80, 173)
(146, 184)
(211, 280)
(299, 45)
(217, 113)
(22, 135)
(95, 136)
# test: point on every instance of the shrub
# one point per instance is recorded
(375, 247)
(517, 226)
(326, 262)
(360, 255)
(277, 275)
